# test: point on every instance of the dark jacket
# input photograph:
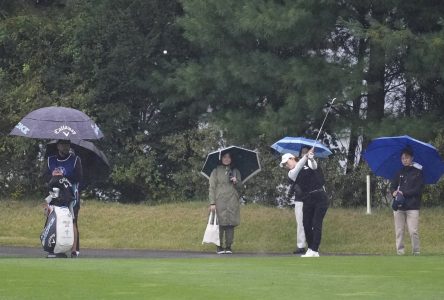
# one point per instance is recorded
(295, 190)
(410, 182)
(310, 180)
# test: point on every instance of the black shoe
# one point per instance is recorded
(220, 250)
(299, 251)
(74, 254)
(228, 250)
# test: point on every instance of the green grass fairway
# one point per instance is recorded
(328, 277)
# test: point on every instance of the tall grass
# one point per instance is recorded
(180, 226)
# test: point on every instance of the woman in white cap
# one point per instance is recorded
(303, 172)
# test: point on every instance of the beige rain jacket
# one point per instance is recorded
(225, 195)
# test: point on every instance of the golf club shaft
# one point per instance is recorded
(323, 122)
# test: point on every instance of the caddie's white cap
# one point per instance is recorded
(285, 158)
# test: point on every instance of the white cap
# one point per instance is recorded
(285, 158)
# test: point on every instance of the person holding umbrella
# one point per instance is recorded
(406, 188)
(409, 164)
(67, 164)
(295, 192)
(225, 185)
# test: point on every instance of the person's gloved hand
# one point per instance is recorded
(57, 172)
(311, 155)
(394, 205)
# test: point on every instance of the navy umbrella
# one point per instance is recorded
(57, 122)
(294, 145)
(246, 161)
(383, 155)
(94, 162)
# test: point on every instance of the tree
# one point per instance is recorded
(121, 70)
(32, 75)
(269, 67)
(117, 72)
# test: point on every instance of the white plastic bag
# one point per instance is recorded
(211, 235)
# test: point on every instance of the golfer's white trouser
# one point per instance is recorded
(411, 218)
(300, 233)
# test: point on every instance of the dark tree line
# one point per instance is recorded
(169, 81)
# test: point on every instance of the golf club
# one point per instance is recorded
(323, 122)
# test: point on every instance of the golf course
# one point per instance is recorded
(358, 260)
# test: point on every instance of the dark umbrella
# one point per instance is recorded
(56, 122)
(294, 145)
(383, 155)
(246, 161)
(94, 162)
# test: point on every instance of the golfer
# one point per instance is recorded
(304, 173)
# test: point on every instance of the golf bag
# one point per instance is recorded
(58, 233)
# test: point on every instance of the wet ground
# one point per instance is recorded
(9, 251)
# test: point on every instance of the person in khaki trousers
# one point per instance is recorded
(406, 189)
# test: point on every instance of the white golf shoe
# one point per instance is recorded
(311, 253)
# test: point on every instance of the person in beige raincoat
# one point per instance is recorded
(225, 184)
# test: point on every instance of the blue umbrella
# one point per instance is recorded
(57, 122)
(294, 145)
(383, 155)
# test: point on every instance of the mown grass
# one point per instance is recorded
(180, 226)
(329, 277)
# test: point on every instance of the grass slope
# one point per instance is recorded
(180, 226)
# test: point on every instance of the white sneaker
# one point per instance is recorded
(311, 253)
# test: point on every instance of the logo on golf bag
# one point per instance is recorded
(51, 241)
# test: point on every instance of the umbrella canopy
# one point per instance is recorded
(57, 122)
(246, 161)
(383, 155)
(294, 145)
(94, 162)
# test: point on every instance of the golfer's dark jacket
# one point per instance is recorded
(410, 182)
(310, 180)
